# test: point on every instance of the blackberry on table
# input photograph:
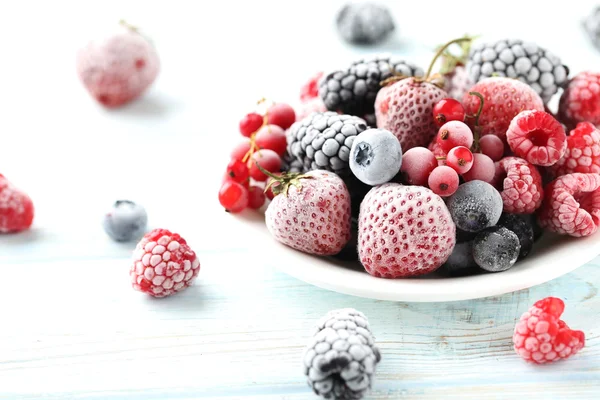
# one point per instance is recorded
(592, 26)
(353, 90)
(341, 357)
(364, 23)
(520, 226)
(496, 249)
(525, 61)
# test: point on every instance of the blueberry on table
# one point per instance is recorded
(126, 221)
(496, 249)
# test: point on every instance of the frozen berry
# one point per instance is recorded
(492, 146)
(250, 124)
(233, 196)
(580, 102)
(453, 134)
(521, 185)
(126, 221)
(16, 208)
(476, 205)
(256, 197)
(461, 261)
(282, 115)
(375, 156)
(583, 151)
(520, 226)
(460, 159)
(537, 137)
(163, 264)
(268, 160)
(310, 90)
(417, 164)
(241, 149)
(541, 336)
(443, 181)
(237, 171)
(496, 249)
(483, 169)
(272, 137)
(447, 110)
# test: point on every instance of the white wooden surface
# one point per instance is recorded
(72, 328)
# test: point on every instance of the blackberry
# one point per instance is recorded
(592, 26)
(323, 141)
(364, 23)
(522, 227)
(341, 357)
(353, 90)
(525, 61)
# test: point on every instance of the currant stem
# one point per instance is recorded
(128, 25)
(441, 51)
(477, 128)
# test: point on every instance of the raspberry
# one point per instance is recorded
(580, 102)
(522, 186)
(310, 106)
(163, 264)
(404, 231)
(504, 98)
(16, 208)
(583, 151)
(541, 336)
(537, 137)
(310, 90)
(572, 205)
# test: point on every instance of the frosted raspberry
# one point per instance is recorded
(583, 151)
(310, 89)
(310, 106)
(537, 137)
(541, 336)
(16, 208)
(163, 264)
(522, 191)
(504, 98)
(404, 231)
(580, 102)
(572, 205)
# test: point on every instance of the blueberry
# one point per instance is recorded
(461, 261)
(521, 226)
(375, 156)
(126, 221)
(476, 205)
(464, 236)
(496, 249)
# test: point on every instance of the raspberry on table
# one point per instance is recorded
(537, 137)
(580, 102)
(476, 205)
(582, 153)
(16, 208)
(541, 336)
(572, 205)
(163, 264)
(521, 184)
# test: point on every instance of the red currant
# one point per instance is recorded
(483, 169)
(272, 137)
(492, 146)
(310, 89)
(448, 110)
(443, 181)
(256, 197)
(238, 172)
(282, 115)
(250, 124)
(269, 192)
(233, 196)
(241, 149)
(460, 159)
(268, 160)
(454, 133)
(417, 164)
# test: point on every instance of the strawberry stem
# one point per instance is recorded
(285, 180)
(441, 51)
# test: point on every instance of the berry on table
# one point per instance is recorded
(16, 208)
(126, 221)
(496, 249)
(268, 160)
(237, 171)
(272, 137)
(404, 231)
(521, 184)
(282, 115)
(580, 102)
(375, 156)
(251, 123)
(541, 336)
(522, 227)
(537, 137)
(483, 169)
(443, 181)
(233, 196)
(310, 90)
(364, 23)
(163, 264)
(341, 357)
(447, 110)
(583, 151)
(476, 205)
(241, 149)
(256, 197)
(417, 165)
(453, 134)
(492, 146)
(460, 159)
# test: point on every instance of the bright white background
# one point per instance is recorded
(70, 326)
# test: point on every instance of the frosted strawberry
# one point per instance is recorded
(16, 208)
(310, 212)
(580, 102)
(582, 153)
(404, 231)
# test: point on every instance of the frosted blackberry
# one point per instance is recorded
(353, 90)
(341, 357)
(364, 23)
(496, 249)
(461, 261)
(375, 156)
(524, 61)
(592, 26)
(126, 221)
(323, 141)
(476, 205)
(521, 226)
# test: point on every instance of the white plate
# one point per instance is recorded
(551, 257)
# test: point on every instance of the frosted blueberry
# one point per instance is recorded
(126, 221)
(364, 23)
(375, 156)
(522, 227)
(496, 249)
(476, 205)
